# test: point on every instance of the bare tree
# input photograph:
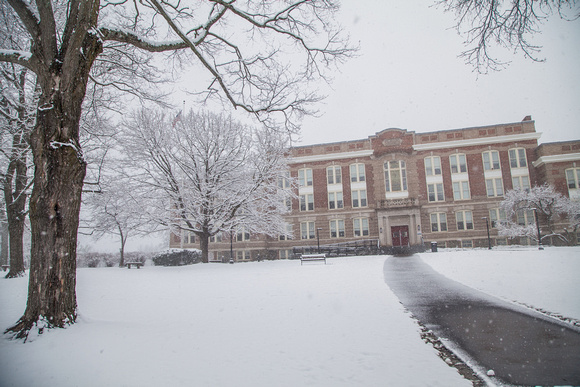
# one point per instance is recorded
(553, 209)
(114, 210)
(206, 173)
(242, 46)
(508, 24)
(16, 122)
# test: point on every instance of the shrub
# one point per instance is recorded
(177, 258)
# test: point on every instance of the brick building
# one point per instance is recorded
(400, 188)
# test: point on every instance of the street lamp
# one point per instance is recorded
(487, 227)
(318, 239)
(231, 245)
(540, 247)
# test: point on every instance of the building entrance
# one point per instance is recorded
(400, 235)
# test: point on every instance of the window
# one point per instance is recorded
(357, 172)
(464, 220)
(432, 165)
(395, 176)
(243, 255)
(307, 202)
(335, 200)
(573, 178)
(307, 230)
(467, 243)
(188, 237)
(525, 217)
(242, 235)
(494, 187)
(288, 203)
(305, 177)
(491, 160)
(360, 226)
(573, 181)
(284, 181)
(435, 192)
(517, 158)
(461, 190)
(333, 175)
(521, 182)
(337, 228)
(359, 198)
(288, 235)
(438, 222)
(458, 163)
(496, 215)
(215, 238)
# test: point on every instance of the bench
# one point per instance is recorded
(138, 264)
(5, 267)
(312, 257)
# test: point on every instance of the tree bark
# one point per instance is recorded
(59, 173)
(15, 199)
(204, 246)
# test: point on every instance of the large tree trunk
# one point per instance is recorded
(59, 173)
(3, 239)
(54, 216)
(204, 246)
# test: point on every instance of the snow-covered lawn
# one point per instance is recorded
(261, 324)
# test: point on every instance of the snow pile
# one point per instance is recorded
(252, 324)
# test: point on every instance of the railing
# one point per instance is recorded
(358, 247)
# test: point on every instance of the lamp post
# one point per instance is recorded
(318, 239)
(487, 228)
(231, 245)
(540, 247)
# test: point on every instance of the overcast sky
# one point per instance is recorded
(408, 75)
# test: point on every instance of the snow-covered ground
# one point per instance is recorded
(264, 323)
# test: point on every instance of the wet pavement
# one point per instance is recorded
(521, 346)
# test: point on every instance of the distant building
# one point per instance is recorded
(400, 188)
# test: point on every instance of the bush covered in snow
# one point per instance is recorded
(177, 258)
(94, 259)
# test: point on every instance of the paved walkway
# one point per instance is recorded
(521, 346)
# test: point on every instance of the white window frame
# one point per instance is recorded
(289, 232)
(494, 187)
(336, 228)
(491, 164)
(440, 220)
(242, 235)
(518, 158)
(305, 177)
(307, 202)
(521, 182)
(335, 200)
(573, 183)
(496, 216)
(307, 229)
(432, 166)
(333, 175)
(465, 218)
(284, 181)
(400, 170)
(357, 172)
(436, 192)
(525, 217)
(461, 190)
(359, 198)
(459, 161)
(360, 227)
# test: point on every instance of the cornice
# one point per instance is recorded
(331, 156)
(477, 141)
(556, 159)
